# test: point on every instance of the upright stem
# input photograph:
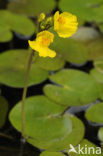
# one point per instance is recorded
(25, 92)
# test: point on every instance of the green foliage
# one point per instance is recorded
(49, 129)
(45, 153)
(70, 50)
(73, 88)
(31, 7)
(95, 113)
(3, 110)
(97, 75)
(48, 63)
(13, 66)
(100, 134)
(13, 22)
(86, 10)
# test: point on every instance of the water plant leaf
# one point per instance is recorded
(95, 49)
(31, 7)
(3, 110)
(97, 75)
(13, 66)
(95, 113)
(5, 34)
(13, 22)
(46, 153)
(50, 64)
(99, 65)
(70, 50)
(44, 118)
(73, 87)
(100, 134)
(87, 10)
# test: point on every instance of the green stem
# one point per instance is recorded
(25, 92)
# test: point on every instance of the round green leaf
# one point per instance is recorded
(100, 134)
(31, 7)
(95, 49)
(13, 66)
(99, 65)
(73, 138)
(13, 22)
(70, 50)
(95, 113)
(50, 64)
(87, 10)
(5, 34)
(97, 75)
(43, 121)
(3, 110)
(45, 153)
(74, 88)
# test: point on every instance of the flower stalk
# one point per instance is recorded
(25, 92)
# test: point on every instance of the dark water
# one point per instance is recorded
(13, 146)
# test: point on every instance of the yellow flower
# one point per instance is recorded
(41, 17)
(42, 43)
(65, 24)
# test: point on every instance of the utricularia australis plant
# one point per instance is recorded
(65, 24)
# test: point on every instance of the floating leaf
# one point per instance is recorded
(45, 153)
(69, 49)
(95, 49)
(87, 10)
(85, 146)
(48, 63)
(5, 34)
(12, 22)
(13, 66)
(48, 126)
(95, 113)
(99, 65)
(97, 75)
(3, 110)
(73, 88)
(31, 7)
(100, 134)
(49, 130)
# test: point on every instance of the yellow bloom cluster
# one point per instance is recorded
(65, 24)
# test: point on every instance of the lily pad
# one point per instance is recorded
(13, 66)
(85, 146)
(45, 153)
(5, 34)
(100, 134)
(3, 110)
(87, 10)
(95, 113)
(99, 65)
(70, 50)
(95, 49)
(97, 75)
(13, 22)
(51, 64)
(73, 87)
(48, 126)
(31, 7)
